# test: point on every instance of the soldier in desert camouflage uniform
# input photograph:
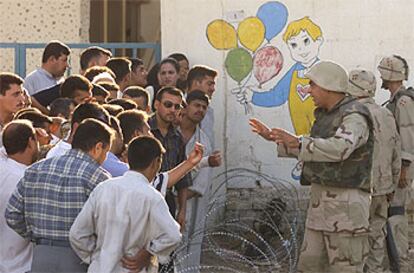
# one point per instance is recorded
(337, 164)
(386, 163)
(394, 70)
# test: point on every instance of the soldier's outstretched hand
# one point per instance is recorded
(261, 129)
(282, 136)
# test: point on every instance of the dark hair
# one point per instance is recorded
(91, 53)
(55, 49)
(7, 79)
(73, 83)
(131, 121)
(113, 109)
(89, 110)
(26, 110)
(109, 86)
(179, 57)
(137, 92)
(142, 151)
(126, 104)
(16, 136)
(98, 90)
(152, 78)
(169, 90)
(61, 106)
(120, 66)
(197, 95)
(198, 73)
(135, 62)
(89, 133)
(37, 119)
(94, 71)
(171, 61)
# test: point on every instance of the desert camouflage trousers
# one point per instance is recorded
(378, 215)
(324, 251)
(399, 227)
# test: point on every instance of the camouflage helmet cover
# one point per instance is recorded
(393, 68)
(329, 75)
(362, 83)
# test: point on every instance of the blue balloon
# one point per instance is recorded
(274, 16)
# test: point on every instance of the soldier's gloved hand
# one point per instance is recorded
(403, 178)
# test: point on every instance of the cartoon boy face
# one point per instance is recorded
(303, 48)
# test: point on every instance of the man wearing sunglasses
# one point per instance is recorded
(167, 104)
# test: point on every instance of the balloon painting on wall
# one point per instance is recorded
(248, 44)
(252, 61)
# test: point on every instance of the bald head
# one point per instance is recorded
(17, 135)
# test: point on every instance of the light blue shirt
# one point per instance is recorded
(39, 80)
(114, 166)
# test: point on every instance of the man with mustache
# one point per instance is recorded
(168, 103)
(11, 98)
(337, 165)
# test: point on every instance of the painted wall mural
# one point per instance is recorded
(252, 60)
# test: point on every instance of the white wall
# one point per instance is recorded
(356, 33)
(39, 21)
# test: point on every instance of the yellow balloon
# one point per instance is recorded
(251, 33)
(221, 35)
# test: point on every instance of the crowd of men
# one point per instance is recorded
(358, 160)
(108, 170)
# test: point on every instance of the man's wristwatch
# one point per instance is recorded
(300, 139)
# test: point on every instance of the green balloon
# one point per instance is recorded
(239, 63)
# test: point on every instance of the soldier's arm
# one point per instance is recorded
(405, 119)
(396, 158)
(283, 151)
(352, 134)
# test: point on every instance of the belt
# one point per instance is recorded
(396, 211)
(48, 242)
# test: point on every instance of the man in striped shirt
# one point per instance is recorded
(52, 193)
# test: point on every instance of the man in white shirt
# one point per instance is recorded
(54, 64)
(22, 148)
(199, 193)
(127, 216)
(203, 78)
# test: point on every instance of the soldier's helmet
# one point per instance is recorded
(393, 68)
(362, 83)
(329, 75)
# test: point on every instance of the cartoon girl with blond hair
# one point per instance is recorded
(303, 38)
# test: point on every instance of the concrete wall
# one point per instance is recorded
(39, 21)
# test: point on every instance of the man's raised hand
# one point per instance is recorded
(196, 154)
